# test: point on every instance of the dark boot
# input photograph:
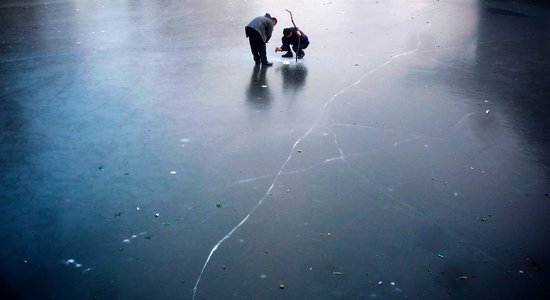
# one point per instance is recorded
(301, 54)
(267, 64)
(288, 54)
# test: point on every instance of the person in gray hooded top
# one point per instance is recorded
(258, 32)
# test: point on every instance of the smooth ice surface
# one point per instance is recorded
(142, 153)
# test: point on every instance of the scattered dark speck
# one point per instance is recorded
(532, 264)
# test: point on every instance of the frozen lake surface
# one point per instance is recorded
(144, 156)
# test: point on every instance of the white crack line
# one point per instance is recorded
(292, 152)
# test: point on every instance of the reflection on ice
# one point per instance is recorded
(296, 78)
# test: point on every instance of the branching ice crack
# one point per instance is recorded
(463, 118)
(292, 150)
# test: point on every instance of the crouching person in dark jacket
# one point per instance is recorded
(258, 32)
(295, 37)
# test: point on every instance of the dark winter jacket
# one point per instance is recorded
(293, 40)
(263, 25)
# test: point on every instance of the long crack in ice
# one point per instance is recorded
(292, 150)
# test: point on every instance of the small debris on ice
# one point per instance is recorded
(466, 277)
(282, 286)
(72, 262)
(157, 215)
(172, 172)
(487, 112)
(337, 273)
(133, 237)
(532, 264)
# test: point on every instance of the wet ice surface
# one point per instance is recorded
(405, 157)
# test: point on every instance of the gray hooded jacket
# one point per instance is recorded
(263, 25)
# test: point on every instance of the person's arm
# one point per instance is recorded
(285, 46)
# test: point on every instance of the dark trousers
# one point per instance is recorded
(302, 46)
(294, 46)
(257, 45)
